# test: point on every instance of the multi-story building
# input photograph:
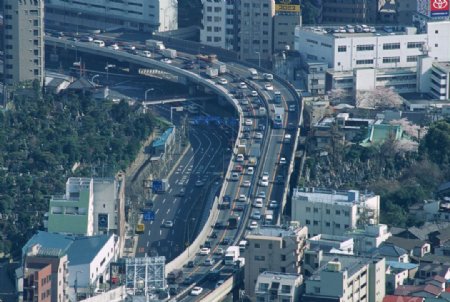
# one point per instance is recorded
(220, 23)
(367, 58)
(142, 15)
(345, 278)
(334, 212)
(287, 17)
(369, 237)
(440, 80)
(23, 41)
(73, 213)
(256, 31)
(278, 287)
(349, 11)
(44, 273)
(273, 249)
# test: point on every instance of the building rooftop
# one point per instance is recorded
(279, 276)
(407, 244)
(389, 250)
(444, 66)
(330, 196)
(353, 30)
(402, 265)
(275, 231)
(394, 298)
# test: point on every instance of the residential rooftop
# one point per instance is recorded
(356, 30)
(274, 231)
(330, 196)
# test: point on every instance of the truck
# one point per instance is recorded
(207, 58)
(231, 255)
(175, 276)
(212, 72)
(220, 66)
(161, 187)
(226, 202)
(233, 222)
(278, 117)
(268, 216)
(253, 155)
(277, 97)
(155, 45)
(241, 149)
(169, 53)
(262, 111)
(253, 73)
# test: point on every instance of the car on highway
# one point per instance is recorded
(205, 251)
(264, 182)
(86, 39)
(268, 87)
(166, 60)
(240, 158)
(196, 291)
(239, 208)
(128, 47)
(291, 126)
(282, 160)
(225, 241)
(213, 235)
(258, 203)
(219, 283)
(222, 81)
(208, 262)
(254, 93)
(256, 215)
(261, 127)
(253, 225)
(190, 264)
(242, 85)
(234, 176)
(261, 194)
(279, 179)
(114, 47)
(220, 225)
(268, 76)
(182, 192)
(199, 183)
(145, 53)
(188, 281)
(238, 168)
(168, 224)
(242, 198)
(248, 122)
(250, 170)
(273, 204)
(219, 251)
(246, 183)
(244, 102)
(258, 135)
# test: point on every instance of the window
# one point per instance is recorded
(260, 258)
(411, 59)
(327, 224)
(364, 62)
(283, 257)
(436, 45)
(263, 287)
(338, 225)
(346, 213)
(308, 210)
(257, 246)
(315, 222)
(388, 46)
(328, 211)
(285, 289)
(311, 41)
(316, 289)
(391, 59)
(414, 44)
(342, 48)
(316, 210)
(338, 212)
(308, 222)
(365, 47)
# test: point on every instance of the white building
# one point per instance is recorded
(440, 80)
(273, 286)
(369, 237)
(273, 249)
(388, 57)
(347, 278)
(334, 212)
(142, 15)
(220, 23)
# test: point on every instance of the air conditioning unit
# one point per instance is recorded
(334, 266)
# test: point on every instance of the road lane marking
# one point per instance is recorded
(164, 200)
(149, 232)
(168, 210)
(157, 210)
(148, 243)
(160, 232)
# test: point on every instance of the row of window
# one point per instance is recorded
(369, 47)
(327, 224)
(328, 211)
(409, 59)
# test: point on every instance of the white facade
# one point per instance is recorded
(142, 15)
(220, 22)
(334, 213)
(273, 286)
(370, 237)
(379, 59)
(347, 279)
(440, 80)
(106, 204)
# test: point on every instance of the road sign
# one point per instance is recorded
(157, 186)
(149, 215)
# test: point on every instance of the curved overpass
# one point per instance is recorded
(272, 149)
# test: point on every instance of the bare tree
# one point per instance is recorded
(380, 97)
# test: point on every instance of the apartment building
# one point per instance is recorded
(278, 287)
(43, 274)
(347, 278)
(220, 23)
(363, 58)
(256, 38)
(440, 80)
(369, 237)
(23, 40)
(349, 11)
(273, 249)
(141, 15)
(334, 212)
(287, 17)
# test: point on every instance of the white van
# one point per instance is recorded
(242, 245)
(268, 76)
(99, 43)
(240, 158)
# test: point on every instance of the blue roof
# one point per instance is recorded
(161, 141)
(401, 265)
(79, 249)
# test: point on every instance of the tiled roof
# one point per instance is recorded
(393, 298)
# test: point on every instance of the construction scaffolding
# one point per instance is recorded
(144, 275)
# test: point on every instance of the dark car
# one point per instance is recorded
(188, 281)
(239, 208)
(213, 235)
(190, 264)
(225, 241)
(220, 225)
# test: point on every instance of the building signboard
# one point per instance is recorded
(439, 8)
(287, 6)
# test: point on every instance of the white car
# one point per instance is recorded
(248, 122)
(244, 102)
(168, 224)
(242, 85)
(254, 93)
(282, 161)
(222, 81)
(145, 53)
(268, 87)
(242, 198)
(264, 183)
(253, 225)
(256, 215)
(208, 262)
(114, 46)
(258, 135)
(240, 158)
(273, 204)
(246, 183)
(258, 203)
(166, 60)
(205, 251)
(196, 291)
(234, 176)
(219, 251)
(250, 170)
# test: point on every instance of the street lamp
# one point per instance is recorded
(75, 284)
(259, 58)
(147, 91)
(93, 78)
(107, 67)
(178, 109)
(78, 21)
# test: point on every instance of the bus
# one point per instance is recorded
(278, 117)
(253, 73)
